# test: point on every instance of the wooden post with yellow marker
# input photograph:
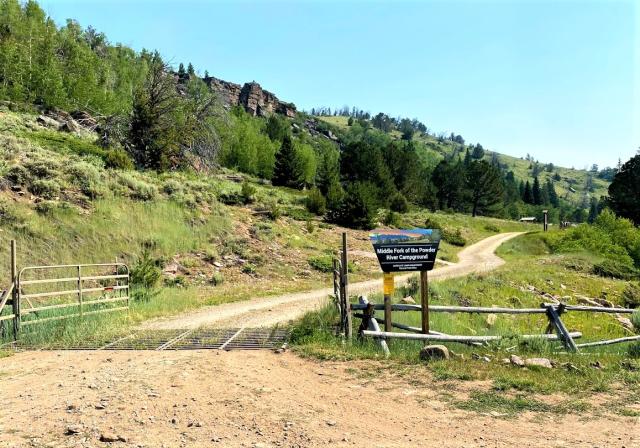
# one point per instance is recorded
(388, 287)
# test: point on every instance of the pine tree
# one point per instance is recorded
(467, 158)
(485, 187)
(551, 192)
(478, 152)
(527, 196)
(287, 169)
(537, 192)
(190, 70)
(182, 74)
(593, 211)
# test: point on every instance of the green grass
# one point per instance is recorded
(530, 263)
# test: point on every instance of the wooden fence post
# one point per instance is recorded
(15, 297)
(561, 330)
(424, 300)
(345, 288)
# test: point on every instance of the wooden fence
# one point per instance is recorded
(552, 311)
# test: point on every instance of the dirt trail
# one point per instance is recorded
(260, 399)
(268, 311)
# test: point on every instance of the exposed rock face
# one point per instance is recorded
(251, 96)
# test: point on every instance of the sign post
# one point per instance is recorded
(546, 219)
(401, 251)
(424, 300)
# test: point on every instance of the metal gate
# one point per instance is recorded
(46, 293)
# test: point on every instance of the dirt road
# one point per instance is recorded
(260, 399)
(268, 311)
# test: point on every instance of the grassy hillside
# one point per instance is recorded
(570, 178)
(62, 205)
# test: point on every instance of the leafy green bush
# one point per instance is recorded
(118, 159)
(43, 169)
(315, 202)
(399, 203)
(432, 223)
(249, 268)
(8, 215)
(392, 219)
(357, 208)
(217, 279)
(322, 263)
(146, 272)
(18, 175)
(454, 237)
(615, 269)
(87, 177)
(273, 209)
(248, 193)
(492, 228)
(45, 188)
(172, 187)
(631, 296)
(138, 189)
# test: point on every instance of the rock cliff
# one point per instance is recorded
(251, 96)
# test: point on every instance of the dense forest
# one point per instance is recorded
(152, 116)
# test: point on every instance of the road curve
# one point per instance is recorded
(268, 311)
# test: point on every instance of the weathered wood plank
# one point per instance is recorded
(609, 342)
(455, 338)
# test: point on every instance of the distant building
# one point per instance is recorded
(528, 219)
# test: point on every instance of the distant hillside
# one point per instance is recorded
(575, 185)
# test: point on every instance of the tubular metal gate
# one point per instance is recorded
(40, 296)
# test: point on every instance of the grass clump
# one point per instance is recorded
(485, 402)
(615, 269)
(315, 202)
(631, 297)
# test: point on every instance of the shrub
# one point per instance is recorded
(399, 203)
(631, 296)
(217, 279)
(46, 188)
(392, 219)
(615, 269)
(454, 237)
(322, 263)
(118, 159)
(309, 227)
(43, 169)
(45, 208)
(248, 193)
(249, 268)
(635, 320)
(634, 350)
(172, 187)
(492, 228)
(138, 189)
(273, 210)
(18, 175)
(8, 214)
(87, 177)
(146, 272)
(315, 202)
(357, 209)
(432, 223)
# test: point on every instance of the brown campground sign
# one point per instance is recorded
(405, 250)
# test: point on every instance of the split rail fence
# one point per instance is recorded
(369, 327)
(38, 294)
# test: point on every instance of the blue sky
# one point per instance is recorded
(557, 79)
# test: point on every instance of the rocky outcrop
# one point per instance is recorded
(251, 96)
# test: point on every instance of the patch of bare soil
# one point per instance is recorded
(255, 399)
(268, 311)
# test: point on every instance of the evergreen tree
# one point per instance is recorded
(287, 170)
(527, 196)
(485, 187)
(551, 192)
(624, 191)
(478, 152)
(276, 128)
(182, 74)
(593, 211)
(190, 70)
(357, 208)
(537, 192)
(467, 158)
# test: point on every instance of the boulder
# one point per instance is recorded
(431, 352)
(625, 322)
(516, 361)
(408, 300)
(538, 362)
(48, 122)
(71, 126)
